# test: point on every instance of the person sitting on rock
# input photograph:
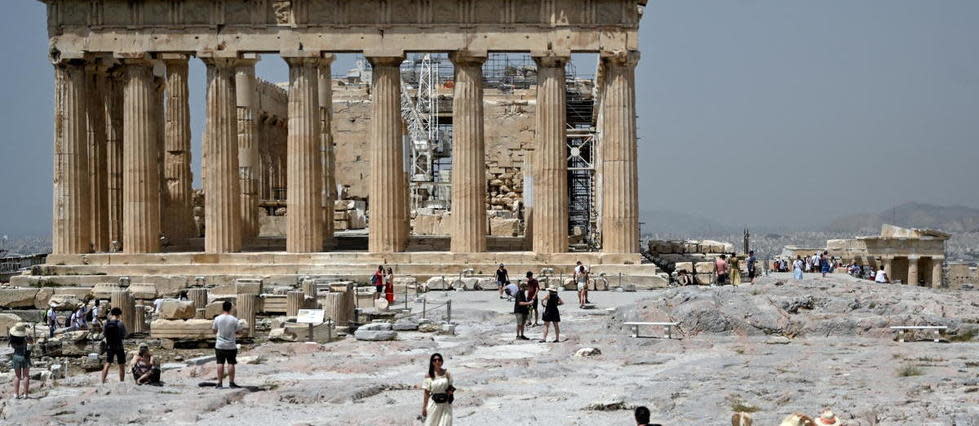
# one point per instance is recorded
(145, 371)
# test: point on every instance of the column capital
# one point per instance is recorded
(168, 57)
(621, 57)
(222, 62)
(385, 60)
(468, 57)
(551, 60)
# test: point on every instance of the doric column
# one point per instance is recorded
(247, 146)
(387, 231)
(937, 271)
(913, 270)
(326, 146)
(620, 175)
(222, 205)
(72, 228)
(159, 118)
(550, 173)
(468, 156)
(179, 192)
(112, 101)
(95, 80)
(140, 159)
(889, 267)
(304, 199)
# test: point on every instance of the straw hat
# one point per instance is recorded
(827, 418)
(797, 420)
(18, 330)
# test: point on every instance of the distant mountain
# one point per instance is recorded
(668, 222)
(911, 215)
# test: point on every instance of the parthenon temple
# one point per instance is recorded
(123, 197)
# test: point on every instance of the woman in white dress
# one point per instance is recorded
(437, 404)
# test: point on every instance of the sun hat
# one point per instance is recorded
(797, 420)
(827, 418)
(18, 330)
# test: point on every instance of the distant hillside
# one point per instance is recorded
(667, 222)
(915, 215)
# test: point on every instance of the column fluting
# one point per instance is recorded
(550, 173)
(141, 175)
(95, 80)
(72, 228)
(222, 206)
(112, 101)
(326, 146)
(179, 194)
(620, 175)
(247, 146)
(304, 199)
(387, 231)
(468, 157)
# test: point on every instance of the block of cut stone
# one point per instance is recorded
(248, 286)
(376, 326)
(104, 290)
(704, 279)
(9, 320)
(181, 329)
(283, 335)
(177, 309)
(64, 302)
(704, 267)
(436, 283)
(17, 297)
(405, 324)
(143, 290)
(684, 266)
(375, 335)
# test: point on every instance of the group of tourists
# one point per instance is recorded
(526, 301)
(383, 282)
(729, 271)
(81, 318)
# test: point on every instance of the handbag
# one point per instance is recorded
(440, 397)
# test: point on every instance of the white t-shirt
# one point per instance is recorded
(226, 325)
(881, 276)
(797, 264)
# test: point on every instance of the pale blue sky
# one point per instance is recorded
(750, 111)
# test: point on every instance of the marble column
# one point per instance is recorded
(179, 192)
(913, 270)
(141, 168)
(326, 146)
(304, 199)
(112, 103)
(387, 231)
(95, 80)
(620, 174)
(199, 297)
(468, 156)
(124, 300)
(246, 311)
(937, 271)
(159, 87)
(889, 267)
(551, 161)
(72, 228)
(247, 146)
(294, 302)
(222, 204)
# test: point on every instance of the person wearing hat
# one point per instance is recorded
(797, 420)
(144, 368)
(551, 315)
(21, 361)
(828, 419)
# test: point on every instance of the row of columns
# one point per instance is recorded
(914, 269)
(232, 157)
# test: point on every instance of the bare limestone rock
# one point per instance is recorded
(177, 309)
(405, 324)
(586, 352)
(437, 283)
(64, 302)
(376, 326)
(283, 335)
(8, 320)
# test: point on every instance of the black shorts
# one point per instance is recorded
(379, 288)
(751, 274)
(117, 354)
(226, 356)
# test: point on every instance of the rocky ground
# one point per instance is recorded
(775, 347)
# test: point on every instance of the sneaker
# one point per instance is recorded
(233, 385)
(219, 386)
(522, 337)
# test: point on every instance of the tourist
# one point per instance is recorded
(797, 267)
(96, 322)
(752, 260)
(52, 321)
(114, 332)
(581, 278)
(720, 268)
(827, 419)
(881, 277)
(521, 308)
(551, 301)
(439, 393)
(642, 417)
(825, 264)
(511, 290)
(533, 289)
(80, 322)
(502, 278)
(735, 268)
(21, 359)
(226, 326)
(389, 286)
(144, 370)
(377, 280)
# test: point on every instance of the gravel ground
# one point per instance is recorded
(743, 363)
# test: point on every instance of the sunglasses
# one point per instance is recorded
(437, 360)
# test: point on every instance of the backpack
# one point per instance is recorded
(374, 279)
(110, 332)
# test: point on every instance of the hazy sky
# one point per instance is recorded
(750, 111)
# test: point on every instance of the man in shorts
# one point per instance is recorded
(533, 289)
(521, 309)
(114, 331)
(752, 271)
(581, 278)
(226, 326)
